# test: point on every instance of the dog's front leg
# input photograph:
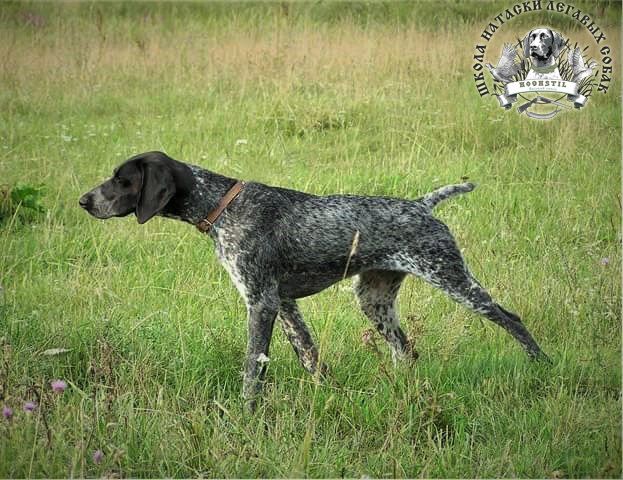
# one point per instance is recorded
(298, 334)
(262, 312)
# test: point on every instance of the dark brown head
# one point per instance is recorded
(143, 185)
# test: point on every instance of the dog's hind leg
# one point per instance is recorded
(298, 335)
(448, 271)
(377, 291)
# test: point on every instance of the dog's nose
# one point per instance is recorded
(84, 200)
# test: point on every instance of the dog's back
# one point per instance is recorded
(341, 235)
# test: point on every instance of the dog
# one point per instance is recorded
(543, 46)
(279, 245)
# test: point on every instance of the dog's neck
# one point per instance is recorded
(545, 69)
(194, 205)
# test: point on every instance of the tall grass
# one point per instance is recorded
(354, 98)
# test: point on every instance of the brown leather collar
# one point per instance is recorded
(206, 224)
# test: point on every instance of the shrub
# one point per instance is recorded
(21, 200)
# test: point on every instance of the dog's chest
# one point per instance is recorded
(549, 75)
(227, 244)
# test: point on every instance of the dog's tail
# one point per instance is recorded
(430, 200)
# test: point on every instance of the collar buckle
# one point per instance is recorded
(207, 223)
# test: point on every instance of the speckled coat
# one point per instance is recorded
(279, 245)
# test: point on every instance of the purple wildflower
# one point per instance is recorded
(367, 337)
(58, 386)
(605, 261)
(98, 455)
(7, 412)
(29, 406)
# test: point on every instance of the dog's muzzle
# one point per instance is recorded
(86, 201)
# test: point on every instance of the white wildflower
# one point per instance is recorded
(261, 358)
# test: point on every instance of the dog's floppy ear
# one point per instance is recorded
(158, 187)
(557, 43)
(526, 45)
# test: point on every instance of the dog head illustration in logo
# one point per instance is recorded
(543, 46)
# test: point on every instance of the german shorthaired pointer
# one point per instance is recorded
(279, 245)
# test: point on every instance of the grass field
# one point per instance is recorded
(354, 98)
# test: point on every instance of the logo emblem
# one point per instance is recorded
(543, 73)
(543, 63)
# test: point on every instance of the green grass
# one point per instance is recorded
(354, 98)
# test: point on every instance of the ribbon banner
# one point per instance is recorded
(512, 89)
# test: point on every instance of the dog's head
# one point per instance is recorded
(543, 45)
(143, 185)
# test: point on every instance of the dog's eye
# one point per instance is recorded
(123, 182)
